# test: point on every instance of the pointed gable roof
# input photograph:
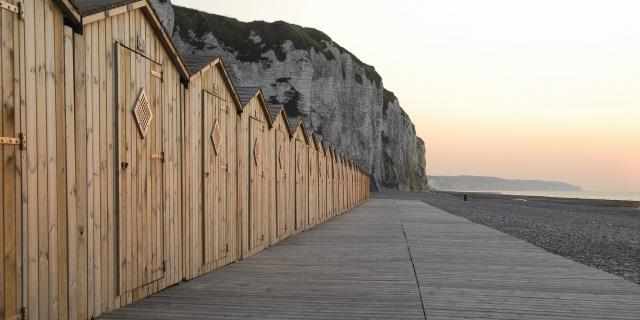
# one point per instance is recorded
(298, 124)
(198, 64)
(277, 110)
(246, 94)
(323, 145)
(96, 10)
(312, 139)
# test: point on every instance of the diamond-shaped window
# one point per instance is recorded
(281, 157)
(142, 113)
(256, 150)
(216, 137)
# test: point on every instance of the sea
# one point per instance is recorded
(600, 195)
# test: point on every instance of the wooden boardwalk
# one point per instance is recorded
(397, 259)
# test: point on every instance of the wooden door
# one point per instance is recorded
(313, 188)
(257, 193)
(282, 165)
(217, 216)
(141, 122)
(301, 184)
(322, 191)
(11, 147)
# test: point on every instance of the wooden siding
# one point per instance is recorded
(97, 213)
(312, 217)
(281, 186)
(211, 223)
(255, 165)
(301, 173)
(11, 111)
(322, 184)
(128, 182)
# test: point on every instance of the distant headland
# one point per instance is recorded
(479, 183)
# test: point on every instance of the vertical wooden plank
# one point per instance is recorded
(70, 289)
(110, 36)
(95, 250)
(50, 143)
(136, 157)
(10, 166)
(141, 178)
(101, 141)
(89, 181)
(131, 150)
(77, 218)
(4, 184)
(30, 205)
(19, 40)
(151, 83)
(61, 165)
(41, 147)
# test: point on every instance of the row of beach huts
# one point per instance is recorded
(128, 168)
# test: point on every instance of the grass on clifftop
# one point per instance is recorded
(235, 36)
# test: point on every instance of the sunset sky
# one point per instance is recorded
(516, 89)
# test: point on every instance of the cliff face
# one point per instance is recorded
(340, 97)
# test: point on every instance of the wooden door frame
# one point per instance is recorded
(117, 45)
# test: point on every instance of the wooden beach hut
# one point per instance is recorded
(352, 191)
(282, 209)
(300, 148)
(129, 89)
(312, 219)
(335, 180)
(339, 192)
(343, 179)
(329, 170)
(211, 227)
(322, 180)
(255, 163)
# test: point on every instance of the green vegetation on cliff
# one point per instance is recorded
(250, 40)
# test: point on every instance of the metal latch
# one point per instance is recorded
(20, 141)
(15, 8)
(160, 156)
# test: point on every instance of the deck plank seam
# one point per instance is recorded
(415, 273)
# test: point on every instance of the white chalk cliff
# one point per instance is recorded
(339, 97)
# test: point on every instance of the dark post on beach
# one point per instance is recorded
(465, 196)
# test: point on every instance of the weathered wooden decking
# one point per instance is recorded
(398, 259)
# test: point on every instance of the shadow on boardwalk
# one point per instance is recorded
(397, 259)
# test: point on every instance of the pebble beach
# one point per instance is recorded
(604, 234)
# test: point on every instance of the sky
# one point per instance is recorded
(516, 89)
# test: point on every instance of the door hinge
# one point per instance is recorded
(160, 156)
(164, 266)
(20, 141)
(157, 74)
(226, 248)
(15, 8)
